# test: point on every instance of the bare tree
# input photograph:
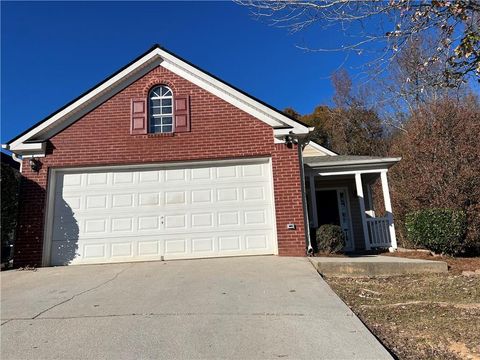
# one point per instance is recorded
(351, 127)
(409, 85)
(455, 25)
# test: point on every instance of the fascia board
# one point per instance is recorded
(196, 76)
(85, 98)
(227, 93)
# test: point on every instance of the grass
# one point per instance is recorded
(422, 316)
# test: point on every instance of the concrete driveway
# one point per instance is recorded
(244, 308)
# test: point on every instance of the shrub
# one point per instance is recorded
(10, 180)
(439, 230)
(330, 238)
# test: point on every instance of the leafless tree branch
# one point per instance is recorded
(456, 23)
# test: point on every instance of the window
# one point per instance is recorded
(160, 109)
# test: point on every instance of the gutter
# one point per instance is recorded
(387, 161)
(14, 156)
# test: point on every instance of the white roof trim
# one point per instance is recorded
(386, 160)
(89, 96)
(187, 71)
(229, 94)
(321, 148)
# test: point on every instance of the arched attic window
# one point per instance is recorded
(160, 109)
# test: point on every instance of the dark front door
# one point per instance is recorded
(327, 207)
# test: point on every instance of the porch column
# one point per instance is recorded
(370, 212)
(388, 210)
(313, 201)
(361, 201)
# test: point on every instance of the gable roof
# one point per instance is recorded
(319, 148)
(32, 140)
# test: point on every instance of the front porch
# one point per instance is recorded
(339, 191)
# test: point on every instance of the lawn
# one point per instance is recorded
(421, 316)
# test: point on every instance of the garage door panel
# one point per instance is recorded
(123, 178)
(121, 249)
(228, 219)
(143, 214)
(69, 180)
(172, 246)
(175, 175)
(94, 226)
(149, 177)
(99, 178)
(201, 196)
(253, 170)
(175, 246)
(148, 223)
(148, 199)
(201, 174)
(229, 243)
(203, 244)
(148, 248)
(202, 220)
(73, 202)
(122, 224)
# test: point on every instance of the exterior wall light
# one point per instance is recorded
(288, 140)
(35, 164)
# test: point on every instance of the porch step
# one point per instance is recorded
(375, 265)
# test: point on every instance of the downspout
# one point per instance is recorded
(306, 222)
(14, 156)
(19, 160)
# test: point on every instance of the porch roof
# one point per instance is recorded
(349, 163)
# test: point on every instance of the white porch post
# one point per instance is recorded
(388, 209)
(313, 202)
(361, 201)
(370, 211)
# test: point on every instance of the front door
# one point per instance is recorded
(333, 208)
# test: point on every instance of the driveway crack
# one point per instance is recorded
(83, 292)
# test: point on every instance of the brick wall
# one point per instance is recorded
(218, 131)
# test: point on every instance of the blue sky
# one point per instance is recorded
(51, 52)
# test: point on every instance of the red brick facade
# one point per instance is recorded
(218, 131)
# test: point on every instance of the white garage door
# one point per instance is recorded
(172, 212)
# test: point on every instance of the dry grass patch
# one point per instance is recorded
(455, 264)
(419, 317)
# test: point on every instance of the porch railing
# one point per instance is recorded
(379, 232)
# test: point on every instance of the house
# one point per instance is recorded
(163, 160)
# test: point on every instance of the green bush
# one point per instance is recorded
(439, 230)
(330, 238)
